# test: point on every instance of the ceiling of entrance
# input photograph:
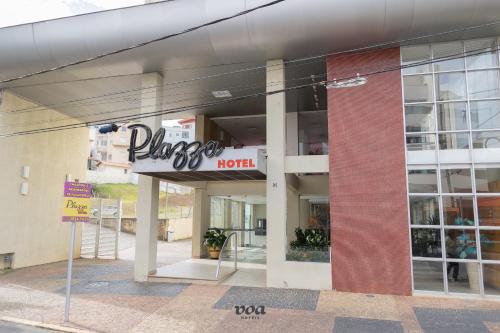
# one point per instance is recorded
(225, 56)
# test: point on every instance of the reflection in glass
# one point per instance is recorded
(420, 142)
(463, 277)
(451, 50)
(488, 209)
(450, 86)
(424, 210)
(456, 181)
(422, 181)
(428, 275)
(486, 140)
(426, 243)
(419, 118)
(484, 84)
(418, 88)
(491, 278)
(482, 60)
(485, 114)
(458, 211)
(490, 244)
(460, 244)
(487, 180)
(454, 141)
(413, 54)
(452, 116)
(313, 133)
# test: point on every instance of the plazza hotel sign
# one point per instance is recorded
(150, 154)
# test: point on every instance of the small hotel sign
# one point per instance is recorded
(76, 207)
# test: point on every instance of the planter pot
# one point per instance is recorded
(473, 275)
(213, 252)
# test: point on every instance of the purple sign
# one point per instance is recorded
(77, 190)
(76, 202)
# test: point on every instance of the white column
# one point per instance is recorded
(148, 190)
(276, 182)
(201, 221)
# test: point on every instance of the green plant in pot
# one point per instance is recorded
(214, 240)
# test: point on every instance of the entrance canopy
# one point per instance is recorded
(231, 164)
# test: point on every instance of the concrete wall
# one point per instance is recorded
(30, 226)
(368, 201)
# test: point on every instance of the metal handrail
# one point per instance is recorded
(235, 253)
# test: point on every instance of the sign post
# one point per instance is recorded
(75, 209)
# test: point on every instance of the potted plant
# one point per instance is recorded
(214, 240)
(310, 245)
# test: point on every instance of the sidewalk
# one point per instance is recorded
(106, 299)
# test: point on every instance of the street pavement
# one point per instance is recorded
(6, 327)
(106, 299)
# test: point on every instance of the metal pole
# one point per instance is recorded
(118, 228)
(98, 229)
(70, 268)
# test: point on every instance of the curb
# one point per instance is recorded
(44, 325)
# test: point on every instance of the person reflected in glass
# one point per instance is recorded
(451, 250)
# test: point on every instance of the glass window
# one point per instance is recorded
(491, 278)
(483, 59)
(486, 140)
(458, 210)
(460, 243)
(449, 50)
(487, 180)
(450, 86)
(463, 277)
(424, 210)
(308, 229)
(490, 244)
(485, 114)
(422, 181)
(428, 275)
(313, 133)
(488, 209)
(484, 84)
(454, 141)
(452, 116)
(418, 88)
(456, 181)
(426, 242)
(419, 118)
(420, 142)
(415, 54)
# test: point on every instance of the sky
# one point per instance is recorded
(13, 12)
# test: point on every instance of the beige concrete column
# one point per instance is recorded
(201, 221)
(148, 189)
(276, 187)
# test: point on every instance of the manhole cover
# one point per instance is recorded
(97, 285)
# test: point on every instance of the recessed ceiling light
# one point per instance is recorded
(222, 94)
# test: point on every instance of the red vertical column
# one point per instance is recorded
(369, 213)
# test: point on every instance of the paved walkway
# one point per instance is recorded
(105, 299)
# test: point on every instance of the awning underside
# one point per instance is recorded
(190, 176)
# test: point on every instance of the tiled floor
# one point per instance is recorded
(106, 299)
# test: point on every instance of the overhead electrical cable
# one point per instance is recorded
(135, 46)
(359, 49)
(231, 100)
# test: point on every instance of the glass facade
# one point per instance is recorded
(452, 119)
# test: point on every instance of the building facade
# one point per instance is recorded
(359, 152)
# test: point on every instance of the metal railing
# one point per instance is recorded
(222, 251)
